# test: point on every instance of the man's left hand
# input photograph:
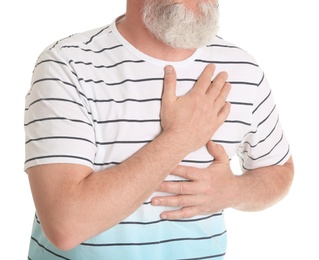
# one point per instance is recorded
(207, 191)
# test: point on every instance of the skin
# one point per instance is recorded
(74, 203)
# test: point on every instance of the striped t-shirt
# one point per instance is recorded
(95, 100)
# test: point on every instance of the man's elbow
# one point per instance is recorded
(63, 239)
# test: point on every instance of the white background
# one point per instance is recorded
(281, 35)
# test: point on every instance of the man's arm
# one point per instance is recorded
(74, 203)
(216, 188)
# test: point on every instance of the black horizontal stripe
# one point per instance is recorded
(223, 46)
(55, 99)
(151, 100)
(204, 257)
(226, 141)
(48, 250)
(125, 142)
(231, 82)
(157, 79)
(138, 142)
(197, 161)
(106, 163)
(227, 62)
(148, 141)
(155, 242)
(158, 120)
(105, 66)
(237, 122)
(58, 156)
(243, 83)
(90, 50)
(120, 82)
(59, 137)
(51, 60)
(124, 100)
(241, 103)
(53, 79)
(57, 79)
(127, 121)
(57, 118)
(165, 220)
(186, 80)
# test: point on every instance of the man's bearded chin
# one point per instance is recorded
(180, 27)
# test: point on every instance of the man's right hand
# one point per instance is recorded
(196, 116)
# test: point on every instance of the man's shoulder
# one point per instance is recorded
(83, 40)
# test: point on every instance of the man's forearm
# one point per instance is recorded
(261, 188)
(80, 204)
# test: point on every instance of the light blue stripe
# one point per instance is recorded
(162, 241)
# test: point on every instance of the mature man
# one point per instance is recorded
(129, 133)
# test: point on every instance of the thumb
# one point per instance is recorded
(218, 152)
(169, 88)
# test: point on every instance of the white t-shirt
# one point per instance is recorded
(95, 100)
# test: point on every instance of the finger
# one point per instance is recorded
(183, 213)
(174, 201)
(204, 79)
(179, 187)
(186, 172)
(224, 112)
(222, 95)
(169, 88)
(218, 152)
(217, 84)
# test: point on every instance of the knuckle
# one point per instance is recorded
(169, 78)
(182, 202)
(182, 188)
(197, 98)
(169, 81)
(188, 174)
(224, 112)
(185, 213)
(165, 187)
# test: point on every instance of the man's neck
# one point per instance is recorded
(134, 31)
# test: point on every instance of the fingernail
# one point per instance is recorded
(168, 69)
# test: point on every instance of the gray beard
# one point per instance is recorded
(179, 27)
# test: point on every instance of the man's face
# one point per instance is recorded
(179, 26)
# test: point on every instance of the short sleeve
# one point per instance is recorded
(58, 125)
(265, 144)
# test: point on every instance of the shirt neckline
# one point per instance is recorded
(146, 57)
